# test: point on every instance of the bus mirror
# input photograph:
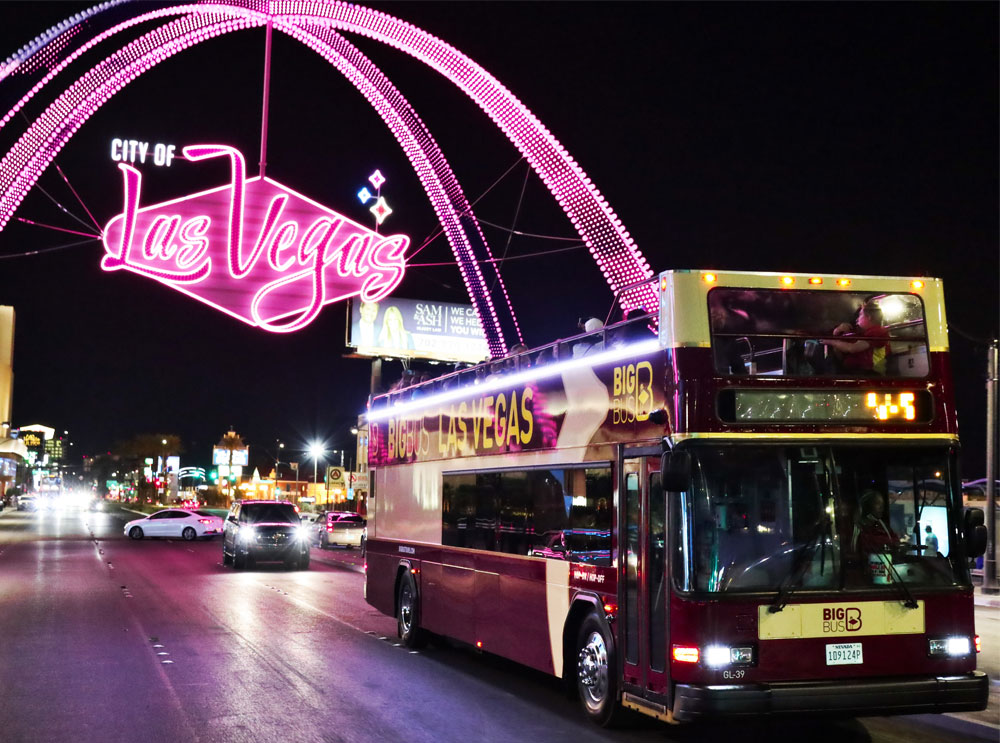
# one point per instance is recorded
(675, 471)
(973, 517)
(975, 541)
(975, 532)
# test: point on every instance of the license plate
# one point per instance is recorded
(843, 653)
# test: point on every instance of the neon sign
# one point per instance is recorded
(253, 249)
(131, 150)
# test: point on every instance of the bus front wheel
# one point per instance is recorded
(596, 669)
(408, 613)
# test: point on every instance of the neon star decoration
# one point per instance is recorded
(253, 248)
(376, 179)
(381, 210)
(364, 196)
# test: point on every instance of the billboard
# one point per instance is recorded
(416, 329)
(221, 456)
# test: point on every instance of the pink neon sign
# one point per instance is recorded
(253, 249)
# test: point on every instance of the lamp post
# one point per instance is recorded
(277, 461)
(316, 451)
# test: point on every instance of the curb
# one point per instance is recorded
(989, 600)
(974, 730)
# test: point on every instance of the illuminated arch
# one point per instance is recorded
(316, 24)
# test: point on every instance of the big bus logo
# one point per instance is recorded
(839, 620)
(632, 393)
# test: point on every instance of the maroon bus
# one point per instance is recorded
(748, 504)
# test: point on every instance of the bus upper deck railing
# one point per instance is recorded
(611, 336)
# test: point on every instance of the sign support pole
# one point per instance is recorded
(990, 562)
(267, 92)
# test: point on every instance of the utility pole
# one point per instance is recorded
(990, 560)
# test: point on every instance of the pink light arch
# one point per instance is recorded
(316, 24)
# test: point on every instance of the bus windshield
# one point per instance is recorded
(826, 517)
(791, 333)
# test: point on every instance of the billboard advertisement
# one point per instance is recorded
(416, 329)
(221, 456)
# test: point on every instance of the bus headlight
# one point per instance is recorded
(954, 647)
(720, 656)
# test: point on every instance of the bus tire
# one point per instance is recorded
(596, 671)
(408, 613)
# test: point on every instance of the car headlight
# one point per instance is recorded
(247, 534)
(302, 533)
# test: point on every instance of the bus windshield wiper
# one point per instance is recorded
(799, 564)
(909, 602)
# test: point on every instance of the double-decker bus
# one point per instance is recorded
(746, 504)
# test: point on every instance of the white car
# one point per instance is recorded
(343, 528)
(175, 522)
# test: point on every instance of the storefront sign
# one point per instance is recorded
(253, 249)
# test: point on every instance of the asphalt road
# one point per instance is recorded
(107, 639)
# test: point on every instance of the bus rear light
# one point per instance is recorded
(709, 278)
(685, 654)
(917, 284)
(479, 644)
(787, 280)
(414, 571)
(815, 280)
(610, 608)
(843, 282)
(979, 644)
(953, 647)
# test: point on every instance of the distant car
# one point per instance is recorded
(26, 503)
(175, 522)
(265, 530)
(343, 528)
(310, 520)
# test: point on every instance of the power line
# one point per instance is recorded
(47, 250)
(539, 254)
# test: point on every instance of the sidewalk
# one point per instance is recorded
(986, 599)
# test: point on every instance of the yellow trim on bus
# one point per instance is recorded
(878, 435)
(684, 305)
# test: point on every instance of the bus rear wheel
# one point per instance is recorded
(407, 614)
(596, 669)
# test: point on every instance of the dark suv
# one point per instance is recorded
(264, 530)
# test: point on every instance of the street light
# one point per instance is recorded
(277, 461)
(316, 451)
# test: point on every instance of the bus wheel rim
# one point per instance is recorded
(593, 669)
(406, 609)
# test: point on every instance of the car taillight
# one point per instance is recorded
(329, 529)
(205, 521)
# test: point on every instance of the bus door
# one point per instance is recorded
(642, 624)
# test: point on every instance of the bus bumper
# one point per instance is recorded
(850, 698)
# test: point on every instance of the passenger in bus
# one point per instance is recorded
(588, 325)
(871, 533)
(866, 343)
(930, 541)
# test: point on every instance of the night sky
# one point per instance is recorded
(812, 137)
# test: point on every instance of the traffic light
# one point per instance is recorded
(214, 475)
